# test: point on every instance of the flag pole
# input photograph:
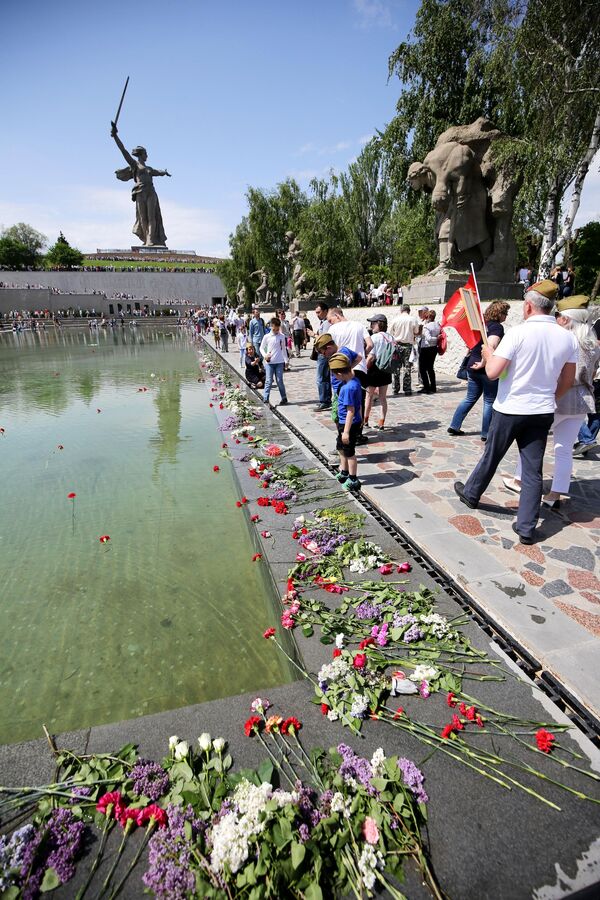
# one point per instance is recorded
(482, 330)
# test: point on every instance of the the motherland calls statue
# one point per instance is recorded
(263, 294)
(473, 199)
(294, 253)
(148, 220)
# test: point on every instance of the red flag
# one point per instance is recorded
(455, 315)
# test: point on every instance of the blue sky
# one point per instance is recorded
(224, 95)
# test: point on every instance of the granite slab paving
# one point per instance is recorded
(408, 471)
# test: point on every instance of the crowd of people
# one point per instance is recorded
(537, 377)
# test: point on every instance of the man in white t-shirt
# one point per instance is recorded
(404, 330)
(355, 336)
(538, 359)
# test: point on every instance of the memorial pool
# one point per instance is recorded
(167, 613)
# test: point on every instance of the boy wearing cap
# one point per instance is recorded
(349, 420)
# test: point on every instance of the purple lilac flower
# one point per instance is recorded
(54, 845)
(303, 833)
(284, 493)
(413, 778)
(229, 423)
(379, 632)
(149, 779)
(400, 621)
(366, 610)
(414, 633)
(169, 876)
(80, 790)
(11, 853)
(355, 767)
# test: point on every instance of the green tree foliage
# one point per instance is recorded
(62, 256)
(236, 270)
(328, 249)
(271, 214)
(368, 199)
(409, 233)
(20, 246)
(586, 257)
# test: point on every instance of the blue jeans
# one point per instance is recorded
(589, 430)
(274, 369)
(323, 379)
(477, 384)
(256, 345)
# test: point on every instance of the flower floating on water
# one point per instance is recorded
(216, 469)
(98, 410)
(60, 446)
(545, 740)
(104, 539)
(269, 633)
(223, 445)
(71, 496)
(1, 430)
(256, 557)
(265, 534)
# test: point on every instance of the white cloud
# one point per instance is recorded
(92, 218)
(373, 13)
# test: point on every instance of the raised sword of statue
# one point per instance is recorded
(116, 119)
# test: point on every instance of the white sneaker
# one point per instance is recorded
(512, 485)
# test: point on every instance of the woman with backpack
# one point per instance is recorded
(428, 350)
(379, 367)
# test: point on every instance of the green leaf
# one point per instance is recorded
(398, 802)
(50, 881)
(308, 630)
(298, 854)
(265, 770)
(313, 892)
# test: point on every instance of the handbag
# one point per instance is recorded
(462, 369)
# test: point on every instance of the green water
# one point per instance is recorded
(168, 613)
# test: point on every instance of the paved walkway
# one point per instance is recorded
(547, 595)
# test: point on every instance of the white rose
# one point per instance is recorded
(173, 741)
(205, 741)
(181, 750)
(219, 744)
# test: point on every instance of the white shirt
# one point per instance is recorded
(380, 339)
(352, 335)
(538, 349)
(430, 334)
(242, 340)
(298, 324)
(404, 328)
(274, 345)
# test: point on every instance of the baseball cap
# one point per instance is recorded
(379, 317)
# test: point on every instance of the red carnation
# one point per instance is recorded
(463, 709)
(456, 723)
(545, 740)
(104, 539)
(304, 531)
(71, 496)
(479, 721)
(399, 712)
(252, 725)
(359, 661)
(290, 725)
(324, 709)
(220, 406)
(337, 652)
(269, 633)
(60, 446)
(450, 699)
(263, 501)
(244, 499)
(215, 468)
(210, 404)
(447, 731)
(265, 484)
(252, 473)
(152, 812)
(256, 557)
(113, 798)
(295, 535)
(238, 504)
(223, 446)
(254, 518)
(471, 713)
(366, 642)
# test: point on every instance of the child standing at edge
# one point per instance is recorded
(348, 421)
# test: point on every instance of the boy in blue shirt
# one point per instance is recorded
(349, 420)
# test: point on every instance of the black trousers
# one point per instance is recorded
(427, 357)
(531, 433)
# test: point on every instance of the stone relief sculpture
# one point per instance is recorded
(473, 199)
(294, 253)
(241, 294)
(148, 220)
(263, 294)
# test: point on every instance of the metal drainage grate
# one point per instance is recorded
(581, 717)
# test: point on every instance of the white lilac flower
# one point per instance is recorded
(368, 862)
(254, 463)
(339, 804)
(284, 798)
(332, 715)
(181, 750)
(438, 624)
(378, 762)
(333, 670)
(359, 566)
(424, 673)
(205, 741)
(173, 741)
(360, 705)
(339, 640)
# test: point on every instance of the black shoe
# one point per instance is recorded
(396, 391)
(459, 491)
(324, 406)
(523, 539)
(361, 439)
(283, 402)
(455, 431)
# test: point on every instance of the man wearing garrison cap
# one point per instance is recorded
(535, 364)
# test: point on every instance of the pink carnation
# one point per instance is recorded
(370, 830)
